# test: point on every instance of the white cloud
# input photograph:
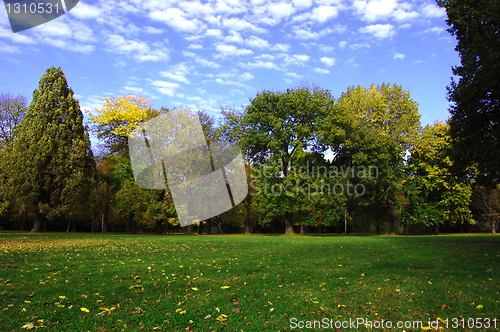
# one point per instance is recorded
(195, 47)
(152, 31)
(16, 37)
(84, 11)
(134, 89)
(328, 61)
(177, 73)
(322, 14)
(403, 15)
(435, 30)
(246, 76)
(229, 7)
(281, 47)
(294, 75)
(325, 48)
(238, 24)
(355, 47)
(294, 59)
(379, 30)
(198, 59)
(176, 19)
(321, 71)
(398, 56)
(259, 64)
(431, 10)
(139, 50)
(257, 42)
(175, 76)
(9, 48)
(279, 10)
(373, 10)
(343, 44)
(164, 87)
(196, 8)
(305, 34)
(54, 28)
(234, 37)
(231, 50)
(213, 33)
(302, 4)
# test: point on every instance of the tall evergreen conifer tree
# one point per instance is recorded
(51, 166)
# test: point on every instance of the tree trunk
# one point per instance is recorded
(289, 224)
(105, 218)
(248, 220)
(39, 225)
(200, 228)
(131, 224)
(209, 226)
(377, 226)
(158, 227)
(189, 229)
(23, 222)
(304, 229)
(391, 222)
(494, 226)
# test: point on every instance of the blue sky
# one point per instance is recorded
(208, 54)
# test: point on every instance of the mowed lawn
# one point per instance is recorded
(95, 282)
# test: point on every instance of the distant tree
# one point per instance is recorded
(12, 110)
(436, 196)
(277, 125)
(372, 129)
(475, 97)
(51, 165)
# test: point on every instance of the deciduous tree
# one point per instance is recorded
(475, 97)
(277, 125)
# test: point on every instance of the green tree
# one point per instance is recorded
(51, 166)
(370, 131)
(277, 125)
(436, 196)
(12, 110)
(475, 97)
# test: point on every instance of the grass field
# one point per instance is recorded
(95, 282)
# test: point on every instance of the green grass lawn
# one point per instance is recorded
(94, 282)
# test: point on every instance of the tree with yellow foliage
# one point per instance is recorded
(118, 117)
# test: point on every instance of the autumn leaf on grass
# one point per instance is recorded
(84, 309)
(322, 284)
(194, 288)
(225, 287)
(28, 326)
(222, 318)
(479, 306)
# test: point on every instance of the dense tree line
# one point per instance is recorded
(313, 162)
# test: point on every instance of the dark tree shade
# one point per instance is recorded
(51, 164)
(475, 110)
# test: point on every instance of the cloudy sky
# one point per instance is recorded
(208, 54)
